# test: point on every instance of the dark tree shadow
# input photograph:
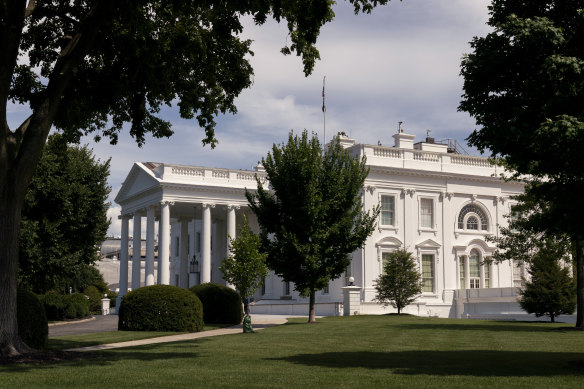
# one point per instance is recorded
(479, 363)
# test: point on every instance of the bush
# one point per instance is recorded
(54, 305)
(94, 298)
(221, 304)
(160, 308)
(76, 306)
(33, 326)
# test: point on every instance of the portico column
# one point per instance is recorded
(150, 246)
(123, 259)
(184, 254)
(136, 250)
(163, 248)
(206, 243)
(231, 230)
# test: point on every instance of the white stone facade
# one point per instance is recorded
(439, 205)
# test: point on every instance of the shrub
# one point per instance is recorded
(221, 304)
(94, 298)
(112, 296)
(160, 308)
(76, 306)
(54, 305)
(33, 326)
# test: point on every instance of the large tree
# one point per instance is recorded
(311, 217)
(524, 84)
(64, 219)
(94, 65)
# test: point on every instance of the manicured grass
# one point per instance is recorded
(354, 352)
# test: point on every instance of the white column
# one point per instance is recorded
(123, 259)
(159, 246)
(136, 250)
(164, 244)
(206, 243)
(231, 231)
(184, 254)
(150, 246)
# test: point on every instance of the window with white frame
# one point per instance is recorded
(472, 217)
(518, 274)
(428, 272)
(474, 267)
(387, 210)
(384, 259)
(427, 213)
(487, 273)
(325, 290)
(286, 288)
(462, 265)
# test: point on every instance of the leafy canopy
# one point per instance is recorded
(400, 283)
(246, 267)
(64, 219)
(147, 54)
(311, 216)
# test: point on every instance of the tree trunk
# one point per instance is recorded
(311, 307)
(579, 251)
(552, 318)
(10, 342)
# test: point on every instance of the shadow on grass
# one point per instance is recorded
(496, 326)
(56, 358)
(480, 363)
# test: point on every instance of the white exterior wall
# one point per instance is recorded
(409, 174)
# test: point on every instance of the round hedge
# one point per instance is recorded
(33, 326)
(160, 308)
(221, 304)
(76, 306)
(54, 305)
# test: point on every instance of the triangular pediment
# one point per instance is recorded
(140, 179)
(429, 244)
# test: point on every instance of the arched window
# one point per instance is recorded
(472, 217)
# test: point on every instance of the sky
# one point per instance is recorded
(399, 63)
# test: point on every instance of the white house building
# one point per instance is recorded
(436, 203)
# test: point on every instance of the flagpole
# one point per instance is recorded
(323, 114)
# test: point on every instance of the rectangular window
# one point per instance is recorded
(188, 244)
(387, 210)
(427, 213)
(428, 272)
(487, 271)
(286, 288)
(177, 247)
(462, 280)
(264, 287)
(384, 259)
(517, 274)
(198, 242)
(325, 290)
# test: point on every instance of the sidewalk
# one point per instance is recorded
(259, 322)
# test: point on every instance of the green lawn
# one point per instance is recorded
(348, 352)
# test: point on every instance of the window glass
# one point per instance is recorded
(387, 210)
(472, 223)
(474, 267)
(462, 265)
(482, 222)
(426, 211)
(428, 272)
(384, 259)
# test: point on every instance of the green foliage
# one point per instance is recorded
(54, 304)
(311, 219)
(401, 283)
(33, 326)
(551, 290)
(76, 306)
(94, 298)
(221, 304)
(246, 267)
(160, 308)
(523, 84)
(63, 220)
